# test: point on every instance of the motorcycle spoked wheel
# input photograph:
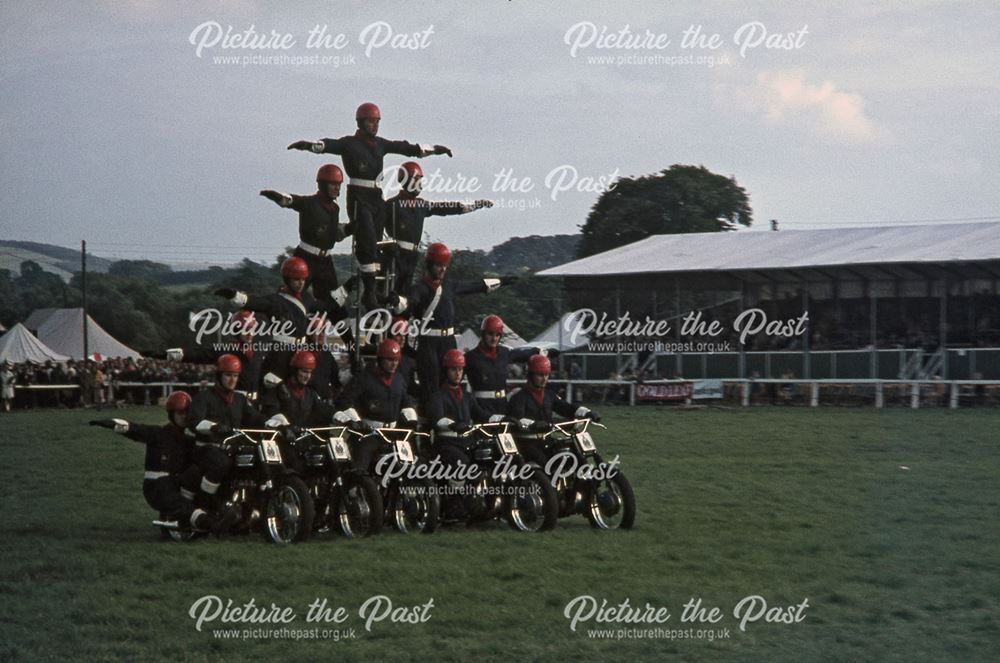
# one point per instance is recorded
(288, 512)
(535, 508)
(610, 503)
(357, 509)
(415, 510)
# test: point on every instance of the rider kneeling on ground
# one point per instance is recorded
(171, 477)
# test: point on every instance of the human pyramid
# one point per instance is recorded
(416, 369)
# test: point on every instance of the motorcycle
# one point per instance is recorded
(263, 492)
(507, 486)
(583, 481)
(412, 504)
(344, 497)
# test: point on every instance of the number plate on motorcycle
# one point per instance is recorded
(339, 449)
(507, 443)
(586, 442)
(269, 450)
(404, 451)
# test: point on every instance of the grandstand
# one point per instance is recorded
(891, 302)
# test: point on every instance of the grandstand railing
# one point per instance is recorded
(859, 364)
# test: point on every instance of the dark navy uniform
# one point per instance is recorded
(378, 399)
(326, 377)
(405, 224)
(363, 159)
(437, 334)
(487, 374)
(299, 311)
(528, 405)
(319, 231)
(171, 477)
(302, 407)
(447, 406)
(214, 406)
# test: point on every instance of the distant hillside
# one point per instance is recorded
(533, 253)
(54, 259)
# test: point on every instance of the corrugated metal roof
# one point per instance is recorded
(790, 249)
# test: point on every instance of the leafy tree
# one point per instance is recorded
(681, 199)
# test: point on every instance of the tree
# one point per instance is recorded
(681, 199)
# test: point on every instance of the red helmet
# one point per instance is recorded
(453, 359)
(303, 359)
(294, 268)
(330, 173)
(410, 170)
(539, 364)
(389, 349)
(228, 364)
(179, 401)
(246, 320)
(492, 324)
(400, 326)
(438, 254)
(368, 111)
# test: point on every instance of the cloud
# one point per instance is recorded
(786, 97)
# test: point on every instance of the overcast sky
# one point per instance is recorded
(115, 129)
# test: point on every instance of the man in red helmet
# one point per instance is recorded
(487, 363)
(431, 306)
(406, 214)
(214, 414)
(376, 397)
(363, 153)
(533, 406)
(251, 357)
(171, 477)
(298, 403)
(290, 312)
(319, 227)
(452, 409)
(399, 331)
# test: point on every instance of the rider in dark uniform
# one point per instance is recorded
(171, 477)
(319, 227)
(533, 407)
(363, 153)
(405, 223)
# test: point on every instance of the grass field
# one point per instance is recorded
(789, 504)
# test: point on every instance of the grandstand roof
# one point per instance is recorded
(793, 249)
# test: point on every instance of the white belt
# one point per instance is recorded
(315, 250)
(499, 393)
(249, 395)
(290, 340)
(376, 424)
(368, 184)
(155, 475)
(409, 246)
(450, 331)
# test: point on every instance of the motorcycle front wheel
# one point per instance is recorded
(289, 512)
(357, 508)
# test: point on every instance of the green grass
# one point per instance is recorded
(785, 503)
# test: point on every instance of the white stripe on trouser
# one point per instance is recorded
(209, 487)
(195, 515)
(187, 494)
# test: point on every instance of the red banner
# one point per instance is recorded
(674, 391)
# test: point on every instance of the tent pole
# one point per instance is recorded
(83, 288)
